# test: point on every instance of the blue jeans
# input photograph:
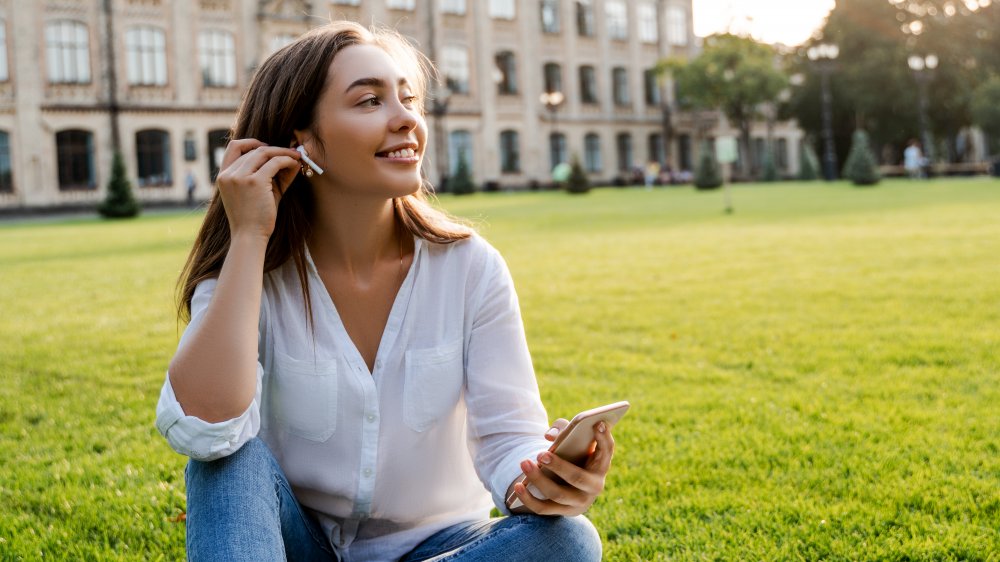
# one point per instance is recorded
(241, 507)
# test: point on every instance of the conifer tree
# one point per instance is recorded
(461, 183)
(808, 163)
(577, 182)
(707, 175)
(119, 203)
(861, 166)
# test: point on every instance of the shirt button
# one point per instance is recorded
(378, 364)
(371, 417)
(368, 472)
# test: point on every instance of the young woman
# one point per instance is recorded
(354, 381)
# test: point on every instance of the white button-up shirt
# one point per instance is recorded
(389, 457)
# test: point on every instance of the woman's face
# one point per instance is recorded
(369, 123)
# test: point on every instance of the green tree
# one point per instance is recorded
(733, 74)
(861, 166)
(986, 110)
(707, 175)
(770, 171)
(808, 163)
(119, 202)
(461, 183)
(577, 182)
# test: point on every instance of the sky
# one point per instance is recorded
(772, 21)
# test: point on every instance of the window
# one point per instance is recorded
(453, 7)
(550, 16)
(781, 154)
(6, 170)
(502, 9)
(592, 153)
(588, 84)
(507, 68)
(67, 52)
(652, 84)
(677, 28)
(152, 151)
(347, 2)
(4, 71)
(402, 4)
(510, 152)
(647, 23)
(557, 149)
(617, 19)
(619, 79)
(460, 146)
(656, 153)
(75, 156)
(585, 18)
(455, 68)
(146, 55)
(759, 152)
(217, 54)
(217, 141)
(281, 40)
(624, 142)
(684, 148)
(553, 77)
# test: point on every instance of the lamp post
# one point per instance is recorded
(552, 101)
(823, 57)
(923, 72)
(439, 107)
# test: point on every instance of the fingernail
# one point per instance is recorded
(601, 427)
(545, 458)
(526, 466)
(552, 432)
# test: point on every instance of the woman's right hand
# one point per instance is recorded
(251, 181)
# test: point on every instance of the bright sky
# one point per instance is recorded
(773, 21)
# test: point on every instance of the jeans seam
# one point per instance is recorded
(320, 540)
(503, 530)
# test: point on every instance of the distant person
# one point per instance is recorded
(913, 160)
(354, 382)
(190, 184)
(651, 173)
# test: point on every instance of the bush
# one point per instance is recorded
(861, 166)
(119, 202)
(770, 170)
(461, 183)
(577, 182)
(808, 163)
(707, 175)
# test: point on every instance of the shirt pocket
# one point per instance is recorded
(304, 396)
(432, 384)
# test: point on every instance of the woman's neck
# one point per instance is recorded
(354, 235)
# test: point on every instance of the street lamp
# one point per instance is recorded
(439, 107)
(823, 56)
(923, 72)
(552, 101)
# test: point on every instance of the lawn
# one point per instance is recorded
(813, 377)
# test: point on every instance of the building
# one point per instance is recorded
(162, 80)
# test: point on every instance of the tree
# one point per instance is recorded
(986, 110)
(119, 202)
(461, 183)
(577, 182)
(861, 166)
(808, 163)
(770, 172)
(733, 74)
(707, 175)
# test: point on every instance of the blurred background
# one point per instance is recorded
(633, 90)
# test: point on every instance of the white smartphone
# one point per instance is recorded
(575, 443)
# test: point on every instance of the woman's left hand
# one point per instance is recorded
(582, 484)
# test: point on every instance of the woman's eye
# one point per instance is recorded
(370, 102)
(410, 100)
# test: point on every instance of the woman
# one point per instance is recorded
(365, 396)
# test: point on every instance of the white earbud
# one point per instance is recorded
(302, 150)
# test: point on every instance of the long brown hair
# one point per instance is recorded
(281, 98)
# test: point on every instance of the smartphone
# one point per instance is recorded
(575, 443)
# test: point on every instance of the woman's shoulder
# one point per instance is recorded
(473, 255)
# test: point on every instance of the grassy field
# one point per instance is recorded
(815, 377)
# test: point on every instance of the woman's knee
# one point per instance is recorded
(250, 465)
(574, 539)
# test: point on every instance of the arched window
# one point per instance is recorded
(217, 141)
(146, 55)
(75, 156)
(652, 87)
(616, 19)
(585, 18)
(553, 77)
(592, 153)
(656, 149)
(588, 84)
(217, 54)
(619, 81)
(460, 146)
(507, 68)
(510, 152)
(557, 149)
(152, 152)
(6, 170)
(625, 161)
(67, 52)
(550, 16)
(455, 68)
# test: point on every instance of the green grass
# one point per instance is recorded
(815, 377)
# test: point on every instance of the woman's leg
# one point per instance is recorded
(513, 539)
(241, 507)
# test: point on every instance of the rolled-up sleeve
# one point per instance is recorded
(506, 417)
(190, 435)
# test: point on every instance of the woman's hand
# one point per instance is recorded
(251, 181)
(582, 485)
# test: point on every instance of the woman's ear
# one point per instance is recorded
(299, 138)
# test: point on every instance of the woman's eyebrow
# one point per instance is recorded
(373, 82)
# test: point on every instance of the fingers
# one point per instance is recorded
(587, 481)
(600, 460)
(251, 161)
(237, 148)
(562, 500)
(272, 169)
(557, 426)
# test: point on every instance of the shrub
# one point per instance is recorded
(577, 182)
(461, 183)
(119, 202)
(707, 175)
(770, 170)
(861, 166)
(808, 163)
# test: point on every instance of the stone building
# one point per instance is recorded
(162, 80)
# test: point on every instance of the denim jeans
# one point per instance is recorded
(241, 507)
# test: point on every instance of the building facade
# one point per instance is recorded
(528, 84)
